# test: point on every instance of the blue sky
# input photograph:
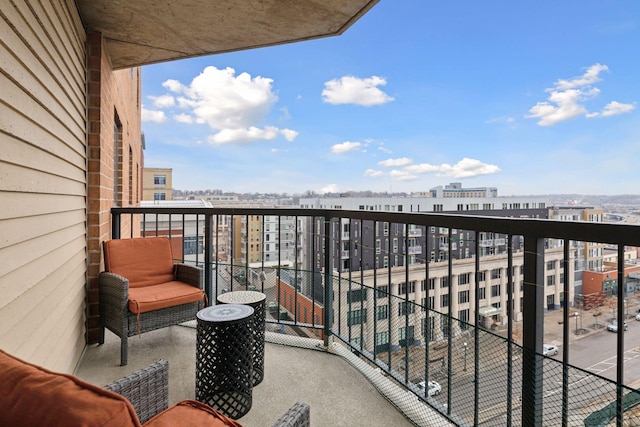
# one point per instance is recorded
(530, 97)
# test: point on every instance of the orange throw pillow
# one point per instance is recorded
(191, 413)
(33, 396)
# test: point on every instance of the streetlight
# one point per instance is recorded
(464, 344)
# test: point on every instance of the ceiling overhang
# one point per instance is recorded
(142, 32)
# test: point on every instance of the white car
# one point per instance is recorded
(613, 326)
(549, 350)
(434, 387)
(638, 316)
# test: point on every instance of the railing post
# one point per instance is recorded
(208, 257)
(115, 224)
(328, 280)
(533, 330)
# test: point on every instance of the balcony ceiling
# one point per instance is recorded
(142, 32)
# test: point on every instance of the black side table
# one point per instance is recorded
(224, 360)
(255, 300)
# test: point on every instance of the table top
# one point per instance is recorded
(241, 297)
(225, 313)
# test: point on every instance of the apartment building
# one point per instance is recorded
(157, 184)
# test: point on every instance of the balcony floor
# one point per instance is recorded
(339, 395)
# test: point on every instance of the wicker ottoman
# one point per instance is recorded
(224, 360)
(255, 300)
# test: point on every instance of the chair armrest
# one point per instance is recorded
(114, 290)
(191, 275)
(297, 416)
(147, 389)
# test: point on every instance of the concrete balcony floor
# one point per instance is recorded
(339, 395)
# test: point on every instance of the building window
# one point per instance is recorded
(378, 246)
(382, 312)
(551, 280)
(495, 273)
(159, 195)
(463, 296)
(357, 317)
(432, 283)
(356, 295)
(551, 265)
(464, 278)
(159, 180)
(406, 335)
(482, 293)
(382, 291)
(444, 300)
(402, 308)
(481, 276)
(463, 315)
(193, 245)
(382, 341)
(495, 291)
(402, 288)
(444, 282)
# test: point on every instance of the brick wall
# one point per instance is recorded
(113, 117)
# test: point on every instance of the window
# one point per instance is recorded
(482, 293)
(406, 335)
(385, 229)
(495, 291)
(395, 244)
(159, 195)
(463, 296)
(551, 280)
(357, 317)
(444, 282)
(159, 180)
(551, 265)
(377, 246)
(463, 315)
(428, 327)
(402, 288)
(444, 300)
(495, 273)
(382, 291)
(382, 312)
(432, 283)
(382, 341)
(464, 278)
(356, 295)
(481, 276)
(193, 245)
(403, 310)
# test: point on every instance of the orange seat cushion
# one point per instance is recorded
(170, 294)
(143, 261)
(191, 413)
(33, 396)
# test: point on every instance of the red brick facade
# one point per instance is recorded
(114, 150)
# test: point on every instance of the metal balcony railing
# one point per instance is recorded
(472, 363)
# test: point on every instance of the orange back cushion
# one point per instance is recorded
(33, 396)
(144, 261)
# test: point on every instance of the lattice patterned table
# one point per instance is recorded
(255, 300)
(224, 358)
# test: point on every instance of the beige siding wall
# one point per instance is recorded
(42, 182)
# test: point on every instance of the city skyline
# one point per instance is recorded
(412, 96)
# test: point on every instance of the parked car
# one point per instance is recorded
(638, 316)
(434, 387)
(613, 326)
(549, 350)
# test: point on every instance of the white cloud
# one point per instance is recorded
(373, 173)
(465, 168)
(331, 188)
(289, 134)
(567, 97)
(402, 161)
(345, 147)
(354, 90)
(164, 101)
(402, 175)
(243, 136)
(614, 108)
(183, 118)
(153, 116)
(233, 106)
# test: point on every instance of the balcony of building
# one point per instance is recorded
(415, 321)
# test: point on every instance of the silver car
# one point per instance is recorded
(549, 350)
(613, 326)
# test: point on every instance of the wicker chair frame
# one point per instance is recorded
(148, 391)
(115, 314)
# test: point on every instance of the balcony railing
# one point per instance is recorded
(481, 349)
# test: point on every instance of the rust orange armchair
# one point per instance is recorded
(142, 289)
